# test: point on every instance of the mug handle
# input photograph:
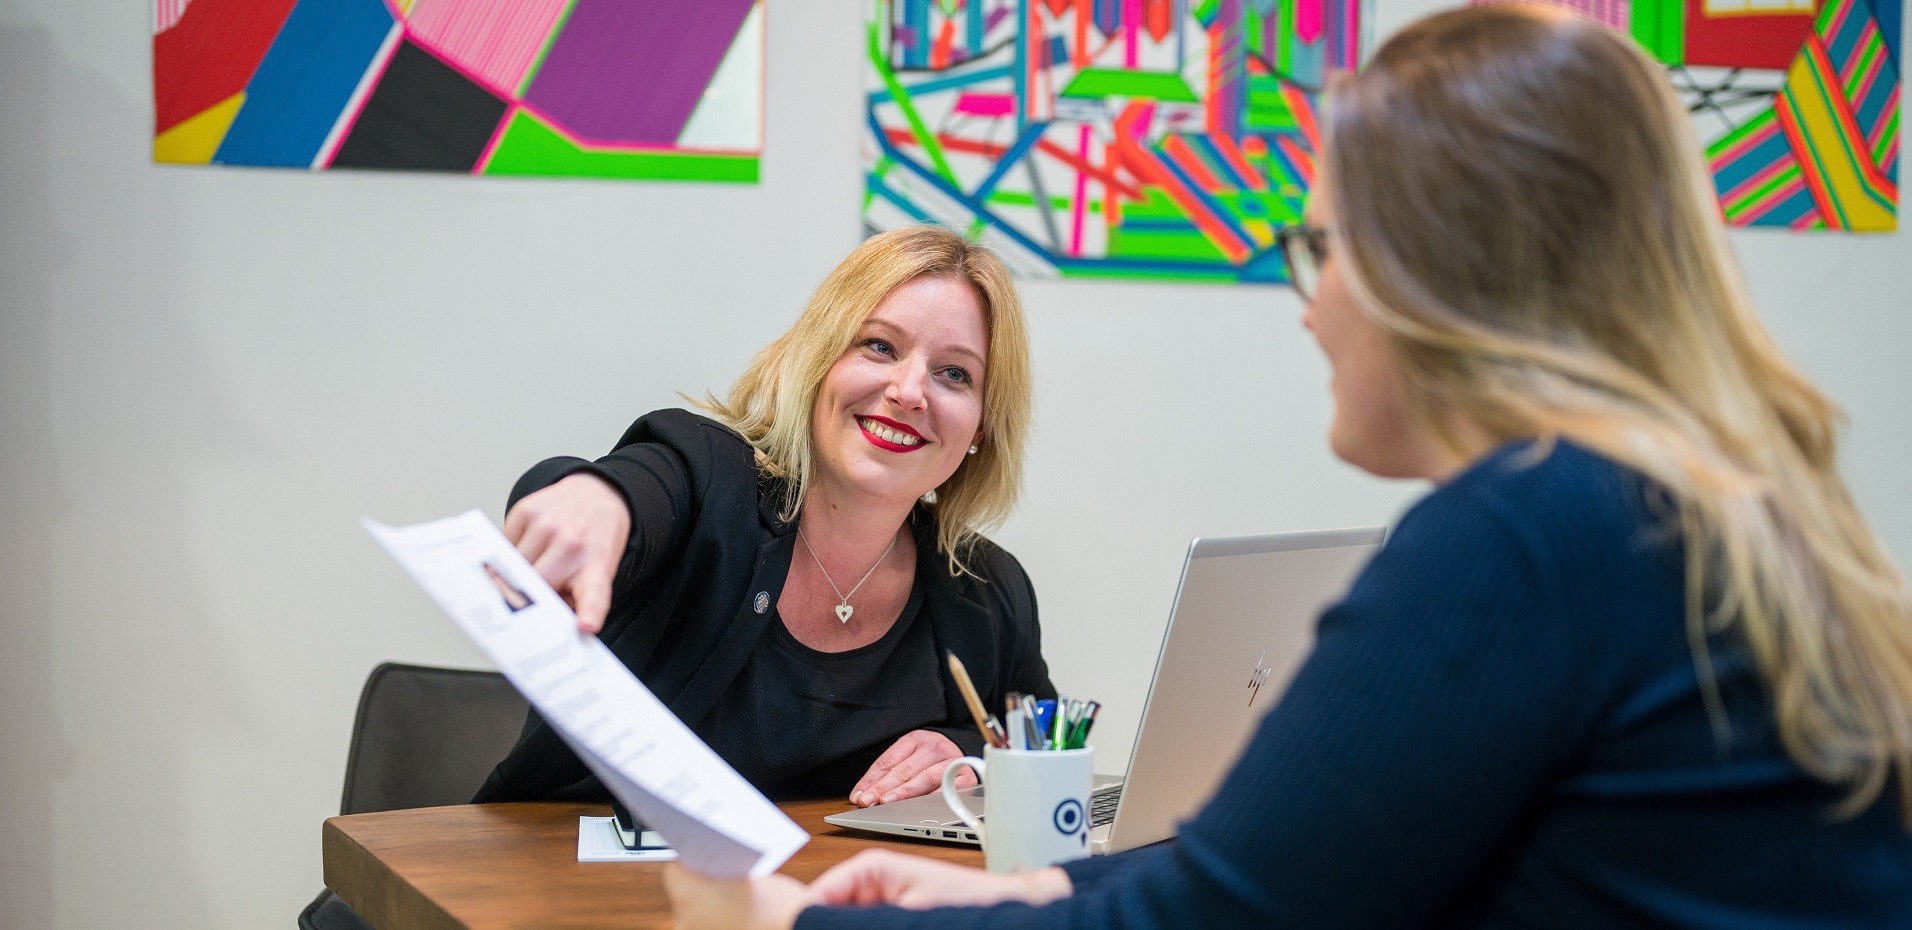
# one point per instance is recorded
(955, 802)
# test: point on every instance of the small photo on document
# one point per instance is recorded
(514, 597)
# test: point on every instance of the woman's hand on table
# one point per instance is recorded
(574, 532)
(880, 876)
(912, 766)
(699, 903)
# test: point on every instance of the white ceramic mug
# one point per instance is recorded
(1035, 805)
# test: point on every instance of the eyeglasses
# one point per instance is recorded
(1306, 249)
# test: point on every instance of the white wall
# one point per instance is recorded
(207, 376)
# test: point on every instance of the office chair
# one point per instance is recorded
(423, 737)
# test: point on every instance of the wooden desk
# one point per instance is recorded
(515, 865)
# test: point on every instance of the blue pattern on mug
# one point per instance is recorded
(1068, 817)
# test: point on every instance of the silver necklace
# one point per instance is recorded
(843, 608)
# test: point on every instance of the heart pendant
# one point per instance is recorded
(844, 611)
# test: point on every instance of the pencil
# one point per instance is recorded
(975, 703)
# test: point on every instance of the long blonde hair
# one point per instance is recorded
(770, 404)
(1521, 198)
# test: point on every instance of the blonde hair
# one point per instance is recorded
(770, 405)
(1521, 200)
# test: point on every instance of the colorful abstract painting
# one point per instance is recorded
(662, 89)
(1797, 101)
(1163, 139)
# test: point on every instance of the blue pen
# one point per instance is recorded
(1045, 715)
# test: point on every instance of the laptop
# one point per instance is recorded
(1244, 618)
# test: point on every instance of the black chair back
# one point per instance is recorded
(427, 737)
(424, 737)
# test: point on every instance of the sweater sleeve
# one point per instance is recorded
(1439, 695)
(1095, 872)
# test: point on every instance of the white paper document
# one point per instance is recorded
(717, 822)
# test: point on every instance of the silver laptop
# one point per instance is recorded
(1244, 618)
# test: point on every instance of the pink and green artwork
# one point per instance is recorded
(596, 88)
(1796, 101)
(1151, 139)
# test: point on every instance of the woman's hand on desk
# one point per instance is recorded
(880, 876)
(912, 766)
(574, 532)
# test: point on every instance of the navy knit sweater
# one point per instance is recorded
(1502, 726)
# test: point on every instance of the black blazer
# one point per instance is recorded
(706, 549)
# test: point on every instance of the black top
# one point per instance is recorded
(798, 722)
(704, 567)
(1502, 726)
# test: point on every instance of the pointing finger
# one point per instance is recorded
(591, 592)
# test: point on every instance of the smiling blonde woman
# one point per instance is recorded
(787, 576)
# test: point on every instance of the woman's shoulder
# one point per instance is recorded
(1556, 480)
(990, 563)
(989, 574)
(693, 436)
(995, 578)
(1560, 503)
(1548, 546)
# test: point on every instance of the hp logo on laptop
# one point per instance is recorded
(1260, 675)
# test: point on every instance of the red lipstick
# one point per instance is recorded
(885, 444)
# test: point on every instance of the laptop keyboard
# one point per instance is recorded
(1102, 806)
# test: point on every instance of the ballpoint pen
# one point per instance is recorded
(1032, 731)
(1055, 722)
(1069, 724)
(1080, 736)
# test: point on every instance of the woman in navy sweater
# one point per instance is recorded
(1635, 661)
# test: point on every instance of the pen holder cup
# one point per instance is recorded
(1035, 805)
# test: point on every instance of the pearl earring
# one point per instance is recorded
(972, 450)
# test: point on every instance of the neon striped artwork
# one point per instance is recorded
(659, 90)
(1796, 102)
(495, 40)
(1125, 139)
